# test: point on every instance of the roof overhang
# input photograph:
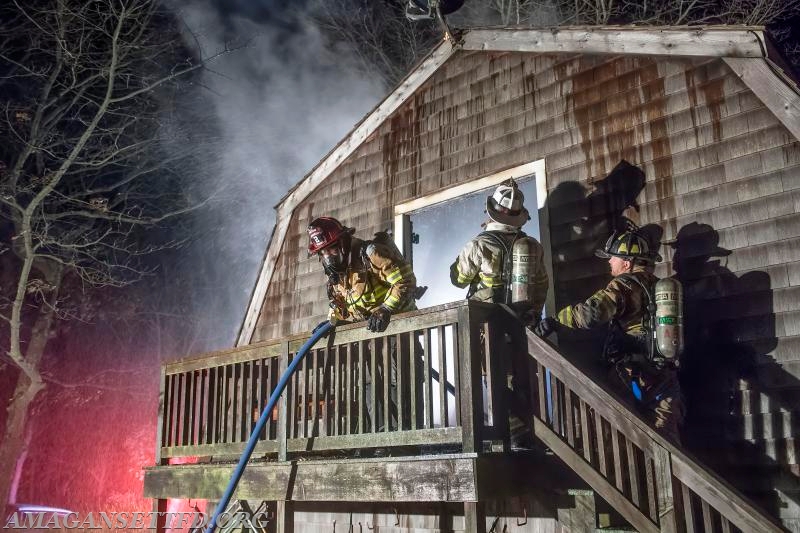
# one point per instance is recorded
(741, 47)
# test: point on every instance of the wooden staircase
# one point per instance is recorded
(449, 441)
(655, 485)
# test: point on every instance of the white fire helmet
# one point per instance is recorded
(506, 205)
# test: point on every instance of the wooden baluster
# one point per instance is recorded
(315, 389)
(348, 428)
(169, 432)
(486, 371)
(294, 415)
(555, 403)
(251, 409)
(204, 406)
(230, 419)
(600, 436)
(162, 425)
(303, 389)
(263, 383)
(633, 472)
(374, 391)
(662, 469)
(472, 396)
(456, 373)
(361, 388)
(540, 378)
(570, 416)
(414, 356)
(615, 450)
(191, 401)
(726, 526)
(428, 400)
(442, 377)
(708, 523)
(318, 425)
(202, 391)
(401, 355)
(383, 342)
(238, 407)
(283, 431)
(337, 391)
(586, 440)
(650, 488)
(194, 418)
(215, 400)
(185, 408)
(688, 510)
(208, 405)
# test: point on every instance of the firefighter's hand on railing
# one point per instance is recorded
(319, 326)
(545, 327)
(379, 320)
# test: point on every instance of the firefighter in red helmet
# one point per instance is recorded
(367, 280)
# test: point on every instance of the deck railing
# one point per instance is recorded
(446, 368)
(419, 383)
(655, 485)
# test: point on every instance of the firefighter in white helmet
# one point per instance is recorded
(503, 265)
(487, 263)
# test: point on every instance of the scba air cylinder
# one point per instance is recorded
(520, 271)
(669, 318)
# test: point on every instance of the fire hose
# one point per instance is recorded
(262, 421)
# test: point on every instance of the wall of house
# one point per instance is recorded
(710, 168)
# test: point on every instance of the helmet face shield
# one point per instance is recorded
(333, 259)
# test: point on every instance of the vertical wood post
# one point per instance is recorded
(471, 394)
(283, 418)
(664, 494)
(474, 518)
(162, 386)
(160, 511)
(284, 516)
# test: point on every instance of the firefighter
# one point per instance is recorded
(367, 280)
(649, 381)
(486, 263)
(503, 265)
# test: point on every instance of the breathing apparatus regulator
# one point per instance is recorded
(663, 321)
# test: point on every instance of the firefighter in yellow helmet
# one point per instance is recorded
(504, 265)
(624, 306)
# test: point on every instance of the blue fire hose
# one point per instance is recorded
(262, 421)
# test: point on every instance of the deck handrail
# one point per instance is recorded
(654, 484)
(209, 403)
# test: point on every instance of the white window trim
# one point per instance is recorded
(534, 169)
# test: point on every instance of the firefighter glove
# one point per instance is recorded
(546, 326)
(379, 319)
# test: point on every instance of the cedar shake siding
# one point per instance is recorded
(700, 153)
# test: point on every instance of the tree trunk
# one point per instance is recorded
(14, 444)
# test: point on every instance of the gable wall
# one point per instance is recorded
(711, 153)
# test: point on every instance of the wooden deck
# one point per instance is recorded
(443, 439)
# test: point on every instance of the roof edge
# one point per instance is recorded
(708, 41)
(366, 127)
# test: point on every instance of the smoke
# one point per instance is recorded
(280, 99)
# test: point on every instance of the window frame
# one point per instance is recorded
(534, 170)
